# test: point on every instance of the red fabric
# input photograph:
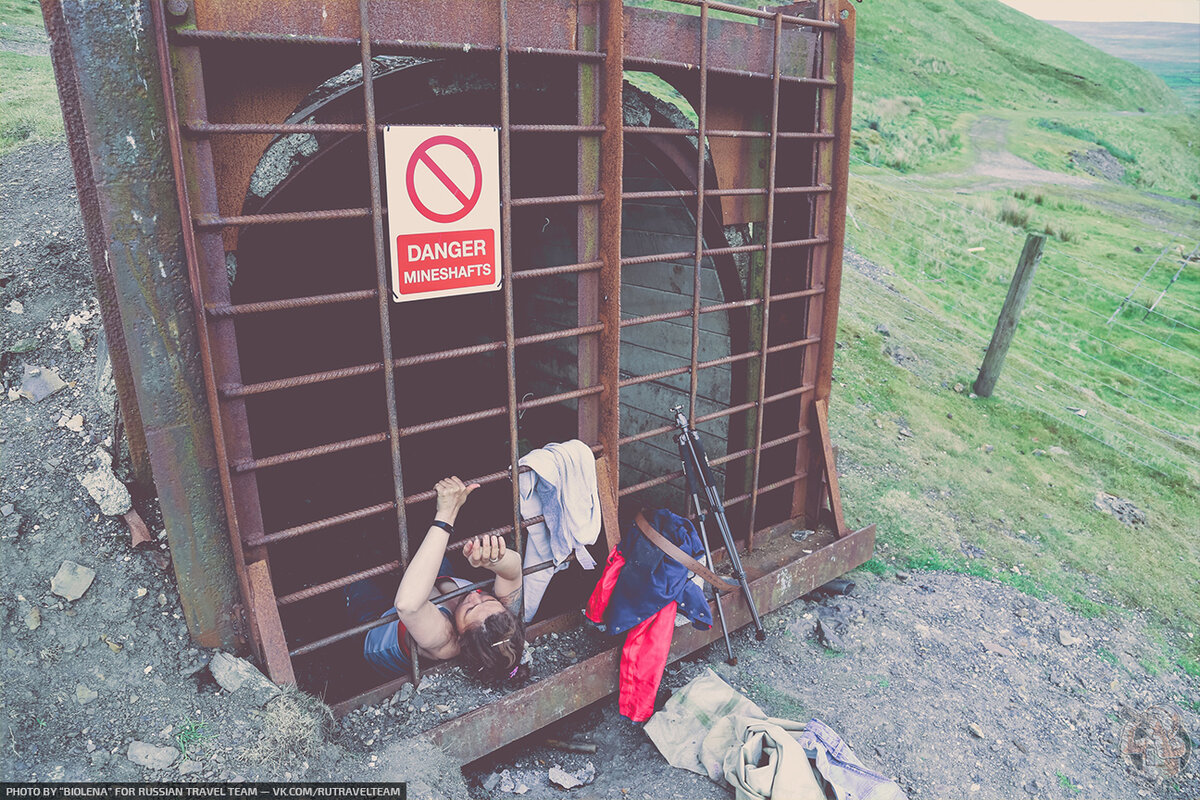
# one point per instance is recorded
(598, 602)
(642, 662)
(647, 645)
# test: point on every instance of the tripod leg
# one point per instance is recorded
(732, 660)
(718, 510)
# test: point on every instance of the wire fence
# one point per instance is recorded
(1088, 354)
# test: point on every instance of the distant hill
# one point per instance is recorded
(1170, 50)
(962, 54)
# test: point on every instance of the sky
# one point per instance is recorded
(1111, 10)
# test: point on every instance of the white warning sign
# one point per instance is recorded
(443, 196)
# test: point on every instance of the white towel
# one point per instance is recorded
(561, 487)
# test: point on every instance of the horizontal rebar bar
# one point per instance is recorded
(751, 12)
(205, 128)
(249, 465)
(392, 614)
(279, 384)
(227, 310)
(208, 221)
(725, 133)
(320, 524)
(656, 63)
(378, 46)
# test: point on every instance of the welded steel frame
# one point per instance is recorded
(608, 39)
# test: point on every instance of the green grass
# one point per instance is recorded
(28, 97)
(942, 488)
(191, 733)
(1065, 782)
(19, 13)
(923, 66)
(28, 102)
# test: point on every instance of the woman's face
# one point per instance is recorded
(474, 608)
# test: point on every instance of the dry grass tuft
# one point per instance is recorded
(293, 724)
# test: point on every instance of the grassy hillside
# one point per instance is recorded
(923, 64)
(1092, 399)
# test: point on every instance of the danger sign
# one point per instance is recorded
(443, 195)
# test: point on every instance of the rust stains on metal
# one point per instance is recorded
(777, 577)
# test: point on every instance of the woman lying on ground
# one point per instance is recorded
(483, 626)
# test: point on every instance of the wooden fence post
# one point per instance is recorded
(1010, 314)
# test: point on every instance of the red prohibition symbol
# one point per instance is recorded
(422, 155)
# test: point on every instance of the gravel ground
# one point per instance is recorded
(957, 687)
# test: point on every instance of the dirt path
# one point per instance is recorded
(957, 687)
(999, 168)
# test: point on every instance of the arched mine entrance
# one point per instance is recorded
(342, 403)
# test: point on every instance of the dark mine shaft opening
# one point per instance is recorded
(309, 172)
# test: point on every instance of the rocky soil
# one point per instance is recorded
(956, 687)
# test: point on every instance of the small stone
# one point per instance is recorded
(151, 756)
(882, 330)
(998, 649)
(7, 509)
(976, 731)
(406, 692)
(973, 396)
(33, 618)
(108, 492)
(73, 423)
(187, 766)
(72, 580)
(901, 575)
(38, 383)
(234, 674)
(84, 695)
(162, 599)
(75, 340)
(1039, 453)
(16, 306)
(442, 708)
(1068, 639)
(987, 448)
(142, 591)
(100, 758)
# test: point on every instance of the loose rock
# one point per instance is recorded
(108, 492)
(1068, 639)
(151, 756)
(38, 383)
(234, 674)
(1123, 510)
(72, 580)
(976, 731)
(84, 695)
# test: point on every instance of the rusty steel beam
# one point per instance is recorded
(778, 575)
(66, 74)
(115, 111)
(834, 168)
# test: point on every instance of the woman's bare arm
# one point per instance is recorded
(428, 626)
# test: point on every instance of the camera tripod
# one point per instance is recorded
(702, 485)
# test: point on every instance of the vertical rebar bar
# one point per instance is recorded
(611, 161)
(510, 348)
(700, 161)
(766, 306)
(381, 275)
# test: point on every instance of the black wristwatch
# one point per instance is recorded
(446, 526)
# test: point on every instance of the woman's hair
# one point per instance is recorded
(493, 650)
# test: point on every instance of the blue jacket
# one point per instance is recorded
(650, 579)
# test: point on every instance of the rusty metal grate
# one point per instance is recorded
(770, 95)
